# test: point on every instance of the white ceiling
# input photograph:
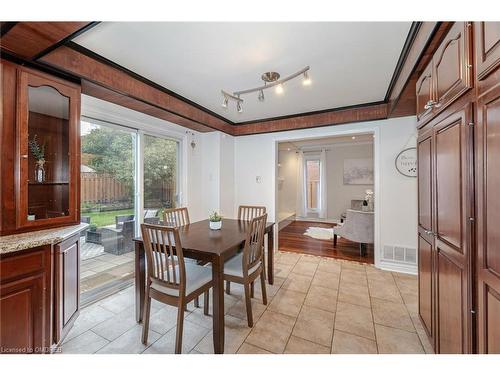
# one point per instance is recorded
(351, 62)
(355, 139)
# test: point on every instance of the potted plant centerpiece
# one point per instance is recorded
(38, 151)
(215, 221)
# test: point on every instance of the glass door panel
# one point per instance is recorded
(108, 205)
(160, 176)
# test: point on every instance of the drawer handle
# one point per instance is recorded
(429, 232)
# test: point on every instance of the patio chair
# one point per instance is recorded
(118, 241)
(86, 220)
(120, 219)
(150, 217)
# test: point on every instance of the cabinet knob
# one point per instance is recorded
(429, 104)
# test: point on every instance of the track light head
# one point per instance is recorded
(261, 96)
(239, 108)
(225, 101)
(306, 81)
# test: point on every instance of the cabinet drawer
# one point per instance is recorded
(18, 265)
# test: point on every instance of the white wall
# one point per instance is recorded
(395, 195)
(287, 183)
(339, 196)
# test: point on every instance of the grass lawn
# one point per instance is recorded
(104, 218)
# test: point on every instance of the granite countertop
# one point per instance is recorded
(22, 241)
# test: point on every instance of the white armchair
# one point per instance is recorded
(358, 227)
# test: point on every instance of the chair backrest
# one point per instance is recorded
(250, 212)
(150, 213)
(176, 216)
(161, 245)
(359, 226)
(254, 243)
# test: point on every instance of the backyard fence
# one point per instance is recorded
(102, 188)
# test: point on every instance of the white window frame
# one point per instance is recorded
(311, 156)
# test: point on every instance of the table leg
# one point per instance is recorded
(270, 256)
(218, 304)
(140, 280)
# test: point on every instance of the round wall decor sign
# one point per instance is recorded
(406, 162)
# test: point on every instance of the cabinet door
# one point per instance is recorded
(425, 95)
(47, 151)
(488, 219)
(453, 65)
(452, 208)
(67, 286)
(25, 303)
(487, 38)
(425, 236)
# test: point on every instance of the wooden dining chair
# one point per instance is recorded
(248, 265)
(169, 279)
(176, 216)
(248, 213)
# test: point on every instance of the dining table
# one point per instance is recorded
(201, 243)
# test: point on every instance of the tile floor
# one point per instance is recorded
(317, 305)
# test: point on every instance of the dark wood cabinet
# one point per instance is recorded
(487, 46)
(425, 94)
(66, 286)
(488, 219)
(25, 301)
(41, 146)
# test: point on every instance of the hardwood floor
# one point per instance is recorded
(292, 239)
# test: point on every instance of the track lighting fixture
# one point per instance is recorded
(270, 79)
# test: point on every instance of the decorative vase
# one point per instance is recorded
(40, 171)
(215, 225)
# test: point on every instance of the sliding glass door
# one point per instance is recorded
(122, 170)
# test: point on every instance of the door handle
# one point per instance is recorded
(429, 104)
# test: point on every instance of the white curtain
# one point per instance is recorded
(322, 186)
(301, 187)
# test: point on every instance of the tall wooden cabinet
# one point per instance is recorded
(40, 140)
(459, 259)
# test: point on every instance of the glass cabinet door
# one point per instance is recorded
(48, 162)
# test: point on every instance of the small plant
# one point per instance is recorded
(93, 227)
(215, 217)
(37, 150)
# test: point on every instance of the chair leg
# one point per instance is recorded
(248, 304)
(252, 290)
(362, 249)
(206, 298)
(228, 287)
(196, 302)
(180, 327)
(263, 286)
(145, 317)
(334, 240)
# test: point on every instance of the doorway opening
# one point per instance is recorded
(325, 196)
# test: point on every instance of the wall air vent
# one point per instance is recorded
(400, 254)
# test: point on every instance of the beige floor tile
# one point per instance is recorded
(329, 266)
(321, 298)
(384, 290)
(315, 325)
(375, 274)
(130, 342)
(282, 270)
(297, 345)
(86, 343)
(326, 279)
(288, 258)
(391, 314)
(305, 268)
(191, 336)
(297, 283)
(354, 319)
(89, 317)
(397, 341)
(310, 259)
(271, 290)
(236, 331)
(251, 349)
(164, 319)
(353, 276)
(287, 302)
(345, 343)
(239, 310)
(355, 294)
(422, 335)
(271, 332)
(117, 325)
(347, 264)
(117, 302)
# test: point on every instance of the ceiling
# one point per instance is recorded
(355, 139)
(351, 62)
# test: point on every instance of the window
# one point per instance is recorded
(312, 183)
